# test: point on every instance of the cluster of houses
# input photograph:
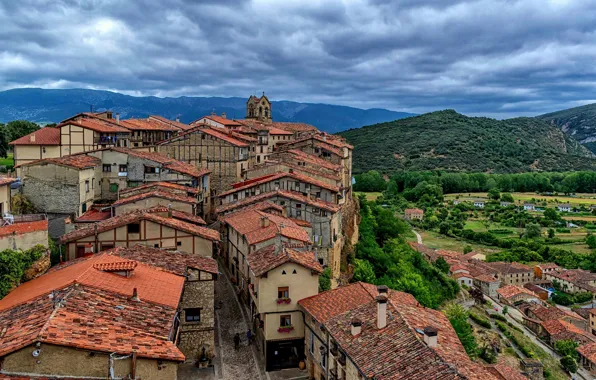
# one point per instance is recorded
(527, 206)
(527, 289)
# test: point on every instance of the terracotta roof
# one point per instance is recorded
(278, 131)
(136, 216)
(578, 277)
(504, 372)
(156, 194)
(413, 211)
(507, 268)
(5, 181)
(152, 286)
(168, 163)
(147, 125)
(264, 206)
(170, 261)
(544, 266)
(116, 266)
(509, 291)
(272, 256)
(332, 207)
(93, 215)
(314, 159)
(249, 224)
(167, 185)
(221, 120)
(286, 126)
(174, 123)
(588, 351)
(94, 319)
(77, 161)
(194, 219)
(208, 131)
(24, 228)
(559, 329)
(460, 275)
(486, 278)
(97, 125)
(43, 136)
(240, 186)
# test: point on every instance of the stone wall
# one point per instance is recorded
(199, 292)
(51, 188)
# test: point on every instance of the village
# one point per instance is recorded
(217, 250)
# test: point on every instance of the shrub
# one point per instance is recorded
(498, 317)
(569, 364)
(13, 265)
(501, 231)
(480, 320)
(563, 230)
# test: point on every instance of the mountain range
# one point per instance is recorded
(51, 106)
(446, 140)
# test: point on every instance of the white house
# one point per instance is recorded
(529, 206)
(564, 207)
(479, 203)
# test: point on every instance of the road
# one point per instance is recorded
(515, 317)
(418, 236)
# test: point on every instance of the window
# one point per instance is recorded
(113, 187)
(298, 213)
(107, 168)
(324, 359)
(285, 320)
(123, 168)
(312, 343)
(192, 315)
(318, 195)
(155, 245)
(323, 213)
(87, 186)
(84, 207)
(179, 243)
(134, 228)
(93, 183)
(283, 292)
(151, 170)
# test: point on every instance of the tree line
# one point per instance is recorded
(567, 182)
(13, 130)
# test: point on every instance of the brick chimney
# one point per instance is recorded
(32, 138)
(381, 310)
(264, 222)
(223, 114)
(356, 326)
(135, 295)
(431, 336)
(382, 289)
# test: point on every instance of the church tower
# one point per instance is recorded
(258, 108)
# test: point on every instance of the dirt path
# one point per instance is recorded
(418, 236)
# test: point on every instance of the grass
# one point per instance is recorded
(7, 161)
(580, 198)
(545, 358)
(369, 196)
(437, 241)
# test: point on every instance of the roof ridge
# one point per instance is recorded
(53, 313)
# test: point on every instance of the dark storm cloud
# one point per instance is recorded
(493, 57)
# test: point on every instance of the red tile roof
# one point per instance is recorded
(167, 185)
(504, 372)
(588, 351)
(77, 161)
(156, 194)
(227, 137)
(170, 261)
(240, 186)
(116, 266)
(314, 159)
(249, 224)
(173, 123)
(136, 216)
(286, 126)
(509, 291)
(5, 181)
(24, 228)
(486, 278)
(332, 207)
(147, 125)
(272, 256)
(152, 286)
(194, 219)
(168, 163)
(43, 136)
(221, 120)
(413, 211)
(93, 215)
(97, 125)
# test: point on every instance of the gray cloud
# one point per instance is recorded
(482, 57)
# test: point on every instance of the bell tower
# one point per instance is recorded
(258, 108)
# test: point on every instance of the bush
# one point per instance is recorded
(13, 265)
(481, 321)
(563, 230)
(325, 280)
(569, 364)
(498, 317)
(501, 231)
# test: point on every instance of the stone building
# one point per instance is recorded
(258, 108)
(197, 308)
(156, 228)
(224, 155)
(359, 331)
(64, 185)
(91, 318)
(574, 280)
(413, 214)
(512, 273)
(43, 143)
(513, 295)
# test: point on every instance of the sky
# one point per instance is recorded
(497, 58)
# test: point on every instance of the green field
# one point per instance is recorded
(369, 196)
(437, 241)
(578, 199)
(8, 161)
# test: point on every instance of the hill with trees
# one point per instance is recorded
(446, 140)
(579, 122)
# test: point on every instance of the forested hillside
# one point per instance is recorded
(450, 141)
(578, 122)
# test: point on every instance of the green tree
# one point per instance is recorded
(569, 364)
(567, 347)
(591, 240)
(364, 271)
(468, 249)
(551, 233)
(19, 128)
(3, 143)
(458, 317)
(325, 280)
(505, 310)
(551, 214)
(494, 194)
(507, 197)
(532, 230)
(441, 265)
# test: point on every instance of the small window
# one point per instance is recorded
(294, 271)
(151, 170)
(283, 292)
(107, 168)
(113, 187)
(84, 207)
(323, 213)
(123, 168)
(192, 315)
(298, 213)
(155, 245)
(86, 186)
(179, 243)
(134, 228)
(285, 320)
(43, 149)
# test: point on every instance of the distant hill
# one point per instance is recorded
(578, 122)
(50, 106)
(450, 141)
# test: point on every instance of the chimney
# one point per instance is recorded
(118, 117)
(177, 119)
(264, 222)
(223, 114)
(170, 210)
(135, 295)
(381, 311)
(430, 336)
(356, 326)
(382, 289)
(32, 138)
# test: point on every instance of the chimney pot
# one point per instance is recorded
(431, 336)
(32, 138)
(118, 117)
(381, 311)
(169, 210)
(264, 222)
(177, 119)
(135, 295)
(356, 326)
(223, 114)
(382, 289)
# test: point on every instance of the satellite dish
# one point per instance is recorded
(36, 353)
